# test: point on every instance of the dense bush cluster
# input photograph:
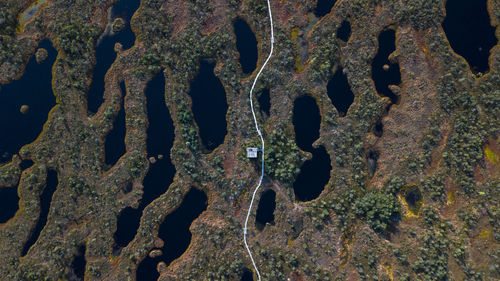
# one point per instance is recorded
(423, 14)
(77, 38)
(432, 261)
(283, 157)
(379, 209)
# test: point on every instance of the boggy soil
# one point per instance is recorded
(441, 136)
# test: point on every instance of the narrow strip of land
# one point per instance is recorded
(261, 140)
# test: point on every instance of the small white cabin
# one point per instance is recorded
(252, 152)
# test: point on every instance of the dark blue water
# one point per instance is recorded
(344, 31)
(105, 53)
(339, 92)
(209, 106)
(25, 164)
(246, 43)
(265, 101)
(265, 210)
(382, 77)
(413, 196)
(247, 276)
(160, 138)
(371, 161)
(34, 89)
(174, 231)
(324, 7)
(126, 229)
(314, 173)
(378, 128)
(114, 146)
(45, 199)
(78, 265)
(306, 121)
(467, 27)
(9, 203)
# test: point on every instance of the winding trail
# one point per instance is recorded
(261, 140)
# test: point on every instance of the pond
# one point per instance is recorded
(77, 269)
(412, 197)
(45, 200)
(323, 7)
(246, 44)
(468, 29)
(314, 173)
(306, 122)
(384, 72)
(25, 104)
(209, 105)
(26, 163)
(160, 139)
(265, 210)
(247, 275)
(339, 92)
(9, 203)
(371, 161)
(344, 31)
(114, 147)
(265, 101)
(174, 231)
(105, 51)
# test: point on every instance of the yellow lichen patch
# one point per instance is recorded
(388, 269)
(409, 213)
(485, 233)
(299, 66)
(347, 241)
(294, 34)
(28, 14)
(450, 197)
(491, 155)
(412, 199)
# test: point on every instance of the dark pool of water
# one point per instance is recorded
(114, 146)
(306, 121)
(413, 196)
(160, 138)
(209, 105)
(174, 231)
(127, 226)
(371, 161)
(314, 173)
(246, 44)
(25, 164)
(105, 53)
(247, 276)
(324, 7)
(385, 77)
(378, 128)
(467, 27)
(78, 265)
(9, 203)
(45, 200)
(33, 89)
(265, 101)
(339, 92)
(265, 210)
(344, 31)
(159, 142)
